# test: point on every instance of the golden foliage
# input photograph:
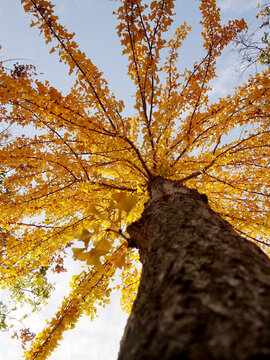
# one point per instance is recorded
(84, 172)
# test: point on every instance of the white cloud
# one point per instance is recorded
(239, 6)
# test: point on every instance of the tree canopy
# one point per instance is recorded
(80, 177)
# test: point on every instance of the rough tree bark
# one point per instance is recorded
(204, 291)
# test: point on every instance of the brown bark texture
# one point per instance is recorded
(204, 291)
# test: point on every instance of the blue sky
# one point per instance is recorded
(94, 24)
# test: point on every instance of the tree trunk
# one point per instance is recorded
(204, 291)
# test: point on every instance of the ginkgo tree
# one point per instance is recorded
(162, 180)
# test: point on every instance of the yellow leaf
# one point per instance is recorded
(85, 237)
(77, 252)
(93, 210)
(103, 246)
(125, 201)
(95, 227)
(139, 190)
(119, 260)
(83, 256)
(92, 257)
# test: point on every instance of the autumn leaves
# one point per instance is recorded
(104, 237)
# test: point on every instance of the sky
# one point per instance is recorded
(94, 25)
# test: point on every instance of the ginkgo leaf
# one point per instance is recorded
(95, 226)
(104, 245)
(119, 260)
(83, 256)
(93, 210)
(92, 257)
(125, 201)
(77, 252)
(85, 236)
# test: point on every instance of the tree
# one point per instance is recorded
(88, 172)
